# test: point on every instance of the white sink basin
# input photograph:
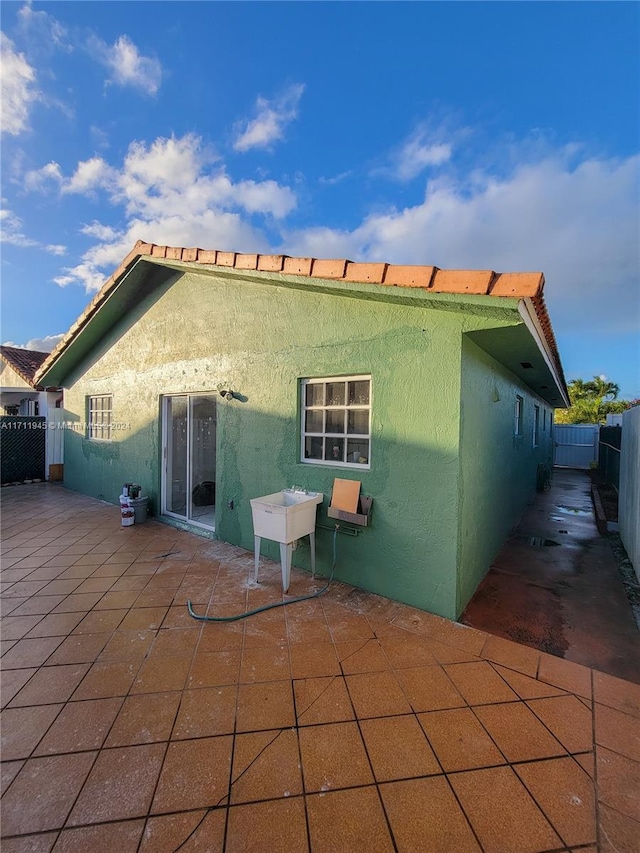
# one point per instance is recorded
(285, 516)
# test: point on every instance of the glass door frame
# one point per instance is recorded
(165, 438)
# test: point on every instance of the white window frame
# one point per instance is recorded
(323, 380)
(99, 429)
(536, 425)
(518, 415)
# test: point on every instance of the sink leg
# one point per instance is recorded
(256, 549)
(312, 545)
(285, 559)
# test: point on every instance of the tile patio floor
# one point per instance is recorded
(350, 723)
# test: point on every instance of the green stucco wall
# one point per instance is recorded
(497, 469)
(196, 331)
(448, 477)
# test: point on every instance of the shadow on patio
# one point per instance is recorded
(345, 723)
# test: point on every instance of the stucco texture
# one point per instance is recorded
(498, 469)
(425, 545)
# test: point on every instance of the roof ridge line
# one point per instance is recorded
(520, 285)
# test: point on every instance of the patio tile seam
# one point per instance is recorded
(548, 817)
(363, 741)
(502, 752)
(535, 678)
(72, 806)
(596, 785)
(541, 720)
(617, 752)
(300, 760)
(374, 775)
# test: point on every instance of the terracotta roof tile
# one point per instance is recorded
(206, 256)
(329, 268)
(471, 282)
(518, 284)
(226, 259)
(365, 272)
(246, 262)
(25, 362)
(270, 263)
(406, 276)
(190, 254)
(297, 266)
(463, 281)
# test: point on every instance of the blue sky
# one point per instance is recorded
(465, 135)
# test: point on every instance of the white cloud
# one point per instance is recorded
(99, 231)
(335, 179)
(46, 344)
(42, 29)
(423, 148)
(173, 191)
(272, 117)
(127, 66)
(18, 88)
(37, 180)
(577, 223)
(12, 234)
(89, 175)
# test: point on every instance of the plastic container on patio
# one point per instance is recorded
(140, 508)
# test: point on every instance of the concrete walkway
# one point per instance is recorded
(344, 724)
(566, 598)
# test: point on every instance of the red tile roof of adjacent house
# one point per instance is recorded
(518, 285)
(25, 362)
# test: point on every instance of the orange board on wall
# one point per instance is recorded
(346, 494)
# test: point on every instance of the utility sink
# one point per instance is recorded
(285, 517)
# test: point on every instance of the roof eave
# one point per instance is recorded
(534, 313)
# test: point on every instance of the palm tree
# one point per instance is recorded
(590, 401)
(601, 389)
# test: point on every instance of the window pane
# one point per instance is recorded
(314, 394)
(359, 392)
(335, 449)
(358, 421)
(335, 421)
(358, 451)
(313, 448)
(335, 393)
(313, 421)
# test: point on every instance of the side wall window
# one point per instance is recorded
(336, 421)
(518, 415)
(99, 418)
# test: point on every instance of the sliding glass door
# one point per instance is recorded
(189, 454)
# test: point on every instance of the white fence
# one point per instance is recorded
(575, 445)
(629, 499)
(54, 448)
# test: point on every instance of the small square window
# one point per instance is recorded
(336, 421)
(99, 418)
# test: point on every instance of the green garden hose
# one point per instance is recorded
(275, 604)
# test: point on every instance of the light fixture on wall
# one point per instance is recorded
(495, 396)
(225, 391)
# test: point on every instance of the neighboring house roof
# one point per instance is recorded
(25, 362)
(526, 287)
